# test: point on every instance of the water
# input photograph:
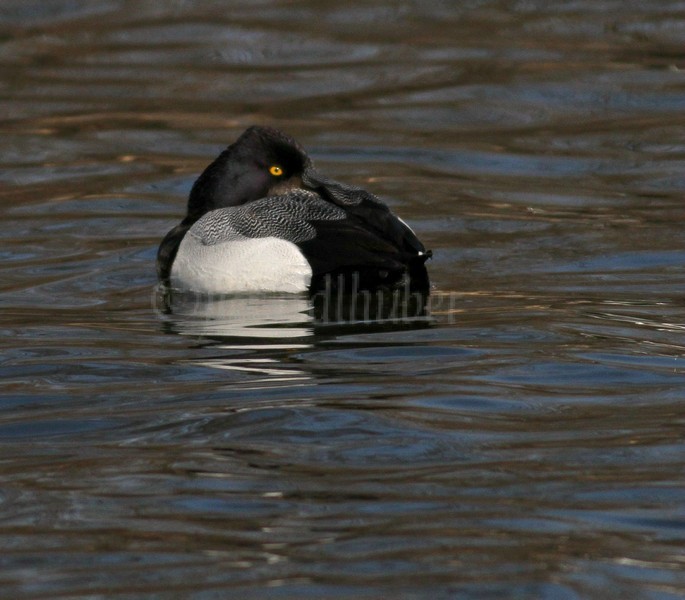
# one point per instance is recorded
(524, 440)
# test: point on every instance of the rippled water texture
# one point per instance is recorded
(524, 440)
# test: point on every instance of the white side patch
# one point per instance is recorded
(266, 264)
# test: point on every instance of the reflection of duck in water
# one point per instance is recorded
(286, 316)
(261, 219)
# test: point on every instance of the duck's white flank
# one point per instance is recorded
(267, 264)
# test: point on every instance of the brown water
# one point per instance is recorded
(524, 441)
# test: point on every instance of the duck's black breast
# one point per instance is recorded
(166, 253)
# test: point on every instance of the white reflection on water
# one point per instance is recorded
(272, 317)
(273, 376)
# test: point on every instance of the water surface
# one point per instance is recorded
(524, 439)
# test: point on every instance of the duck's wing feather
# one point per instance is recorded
(367, 208)
(289, 217)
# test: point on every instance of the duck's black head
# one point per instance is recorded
(261, 162)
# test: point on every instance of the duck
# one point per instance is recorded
(262, 218)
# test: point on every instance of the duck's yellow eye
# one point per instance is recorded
(276, 171)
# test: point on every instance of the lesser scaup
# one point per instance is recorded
(260, 218)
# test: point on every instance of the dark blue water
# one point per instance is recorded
(523, 439)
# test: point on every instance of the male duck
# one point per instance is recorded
(260, 218)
